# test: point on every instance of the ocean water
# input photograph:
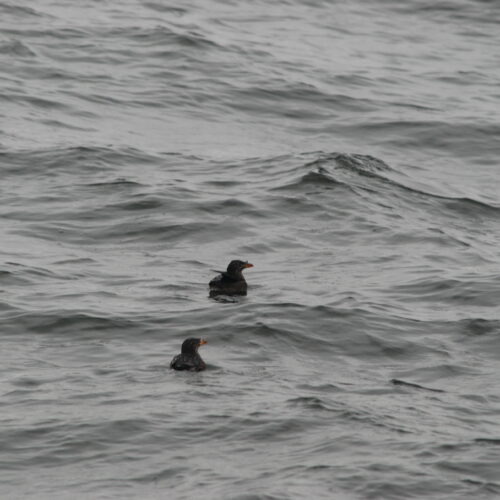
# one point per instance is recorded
(349, 150)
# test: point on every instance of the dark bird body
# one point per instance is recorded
(231, 281)
(189, 359)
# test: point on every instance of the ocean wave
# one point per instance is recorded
(18, 10)
(46, 161)
(381, 182)
(471, 292)
(59, 322)
(17, 48)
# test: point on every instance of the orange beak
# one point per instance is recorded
(202, 341)
(248, 265)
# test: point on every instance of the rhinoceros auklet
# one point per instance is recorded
(189, 359)
(230, 282)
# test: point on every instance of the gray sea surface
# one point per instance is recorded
(349, 150)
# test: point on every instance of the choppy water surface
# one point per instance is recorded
(349, 150)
